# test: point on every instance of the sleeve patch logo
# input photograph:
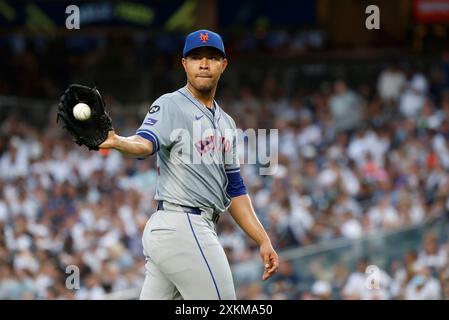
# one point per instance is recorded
(150, 121)
(154, 109)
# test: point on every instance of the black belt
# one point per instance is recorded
(191, 210)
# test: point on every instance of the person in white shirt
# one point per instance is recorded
(346, 107)
(384, 215)
(357, 285)
(423, 287)
(413, 99)
(432, 255)
(350, 227)
(390, 83)
(322, 290)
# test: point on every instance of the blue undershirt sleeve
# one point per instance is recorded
(235, 187)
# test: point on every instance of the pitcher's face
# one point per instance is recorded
(203, 67)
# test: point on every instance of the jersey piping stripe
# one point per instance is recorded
(150, 133)
(150, 138)
(204, 257)
(232, 170)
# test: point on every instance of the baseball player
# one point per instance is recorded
(184, 259)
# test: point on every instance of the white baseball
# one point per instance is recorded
(81, 111)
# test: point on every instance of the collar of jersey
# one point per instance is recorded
(184, 91)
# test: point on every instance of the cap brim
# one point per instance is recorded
(206, 46)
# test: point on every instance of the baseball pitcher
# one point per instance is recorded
(198, 179)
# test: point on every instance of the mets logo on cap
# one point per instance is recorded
(204, 37)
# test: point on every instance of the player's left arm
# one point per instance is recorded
(243, 213)
(242, 210)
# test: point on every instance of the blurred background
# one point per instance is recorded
(363, 146)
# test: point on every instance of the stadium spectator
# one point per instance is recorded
(390, 84)
(346, 107)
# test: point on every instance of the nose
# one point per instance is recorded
(204, 64)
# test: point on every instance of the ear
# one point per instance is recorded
(225, 64)
(184, 62)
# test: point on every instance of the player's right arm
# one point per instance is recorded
(133, 146)
(153, 134)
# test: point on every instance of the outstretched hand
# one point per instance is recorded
(270, 260)
(109, 143)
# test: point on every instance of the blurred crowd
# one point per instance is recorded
(40, 67)
(353, 160)
(421, 274)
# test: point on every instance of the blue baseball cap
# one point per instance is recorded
(203, 38)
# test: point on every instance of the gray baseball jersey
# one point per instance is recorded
(195, 149)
